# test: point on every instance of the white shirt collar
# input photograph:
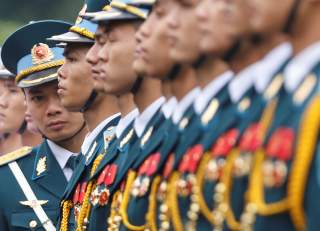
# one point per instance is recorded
(184, 103)
(270, 64)
(300, 66)
(242, 82)
(125, 121)
(143, 119)
(92, 135)
(62, 155)
(169, 106)
(211, 90)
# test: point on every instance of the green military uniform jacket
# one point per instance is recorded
(47, 181)
(115, 156)
(135, 207)
(296, 120)
(82, 174)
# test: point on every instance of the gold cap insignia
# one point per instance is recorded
(41, 53)
(41, 165)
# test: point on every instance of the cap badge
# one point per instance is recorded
(41, 53)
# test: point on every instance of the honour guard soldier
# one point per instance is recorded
(12, 109)
(284, 180)
(13, 127)
(36, 178)
(175, 189)
(184, 191)
(118, 78)
(78, 92)
(224, 160)
(272, 42)
(122, 21)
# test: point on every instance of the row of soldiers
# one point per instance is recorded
(188, 115)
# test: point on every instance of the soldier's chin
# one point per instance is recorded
(98, 86)
(59, 136)
(139, 68)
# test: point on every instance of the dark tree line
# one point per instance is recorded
(14, 13)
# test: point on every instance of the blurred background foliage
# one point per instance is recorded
(15, 13)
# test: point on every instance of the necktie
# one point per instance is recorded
(72, 162)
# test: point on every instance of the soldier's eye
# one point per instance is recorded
(37, 98)
(159, 11)
(14, 90)
(71, 59)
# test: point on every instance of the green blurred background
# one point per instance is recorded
(15, 13)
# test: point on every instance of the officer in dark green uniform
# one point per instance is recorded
(35, 178)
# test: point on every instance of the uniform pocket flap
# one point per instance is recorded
(30, 220)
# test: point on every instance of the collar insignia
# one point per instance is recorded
(210, 112)
(91, 151)
(146, 136)
(126, 139)
(108, 135)
(41, 165)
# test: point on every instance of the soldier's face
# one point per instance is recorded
(75, 78)
(116, 55)
(31, 126)
(270, 16)
(51, 118)
(221, 24)
(183, 31)
(12, 107)
(93, 59)
(152, 51)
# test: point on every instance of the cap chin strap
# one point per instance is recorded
(174, 72)
(66, 139)
(137, 84)
(292, 16)
(200, 60)
(232, 51)
(23, 127)
(90, 101)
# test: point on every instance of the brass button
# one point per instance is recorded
(33, 224)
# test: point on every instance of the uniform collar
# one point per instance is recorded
(92, 135)
(62, 155)
(168, 107)
(242, 82)
(184, 104)
(125, 121)
(270, 65)
(143, 119)
(47, 171)
(211, 90)
(300, 66)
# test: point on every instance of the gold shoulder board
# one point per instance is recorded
(15, 155)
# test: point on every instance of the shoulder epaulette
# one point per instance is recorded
(15, 155)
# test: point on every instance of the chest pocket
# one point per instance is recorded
(29, 220)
